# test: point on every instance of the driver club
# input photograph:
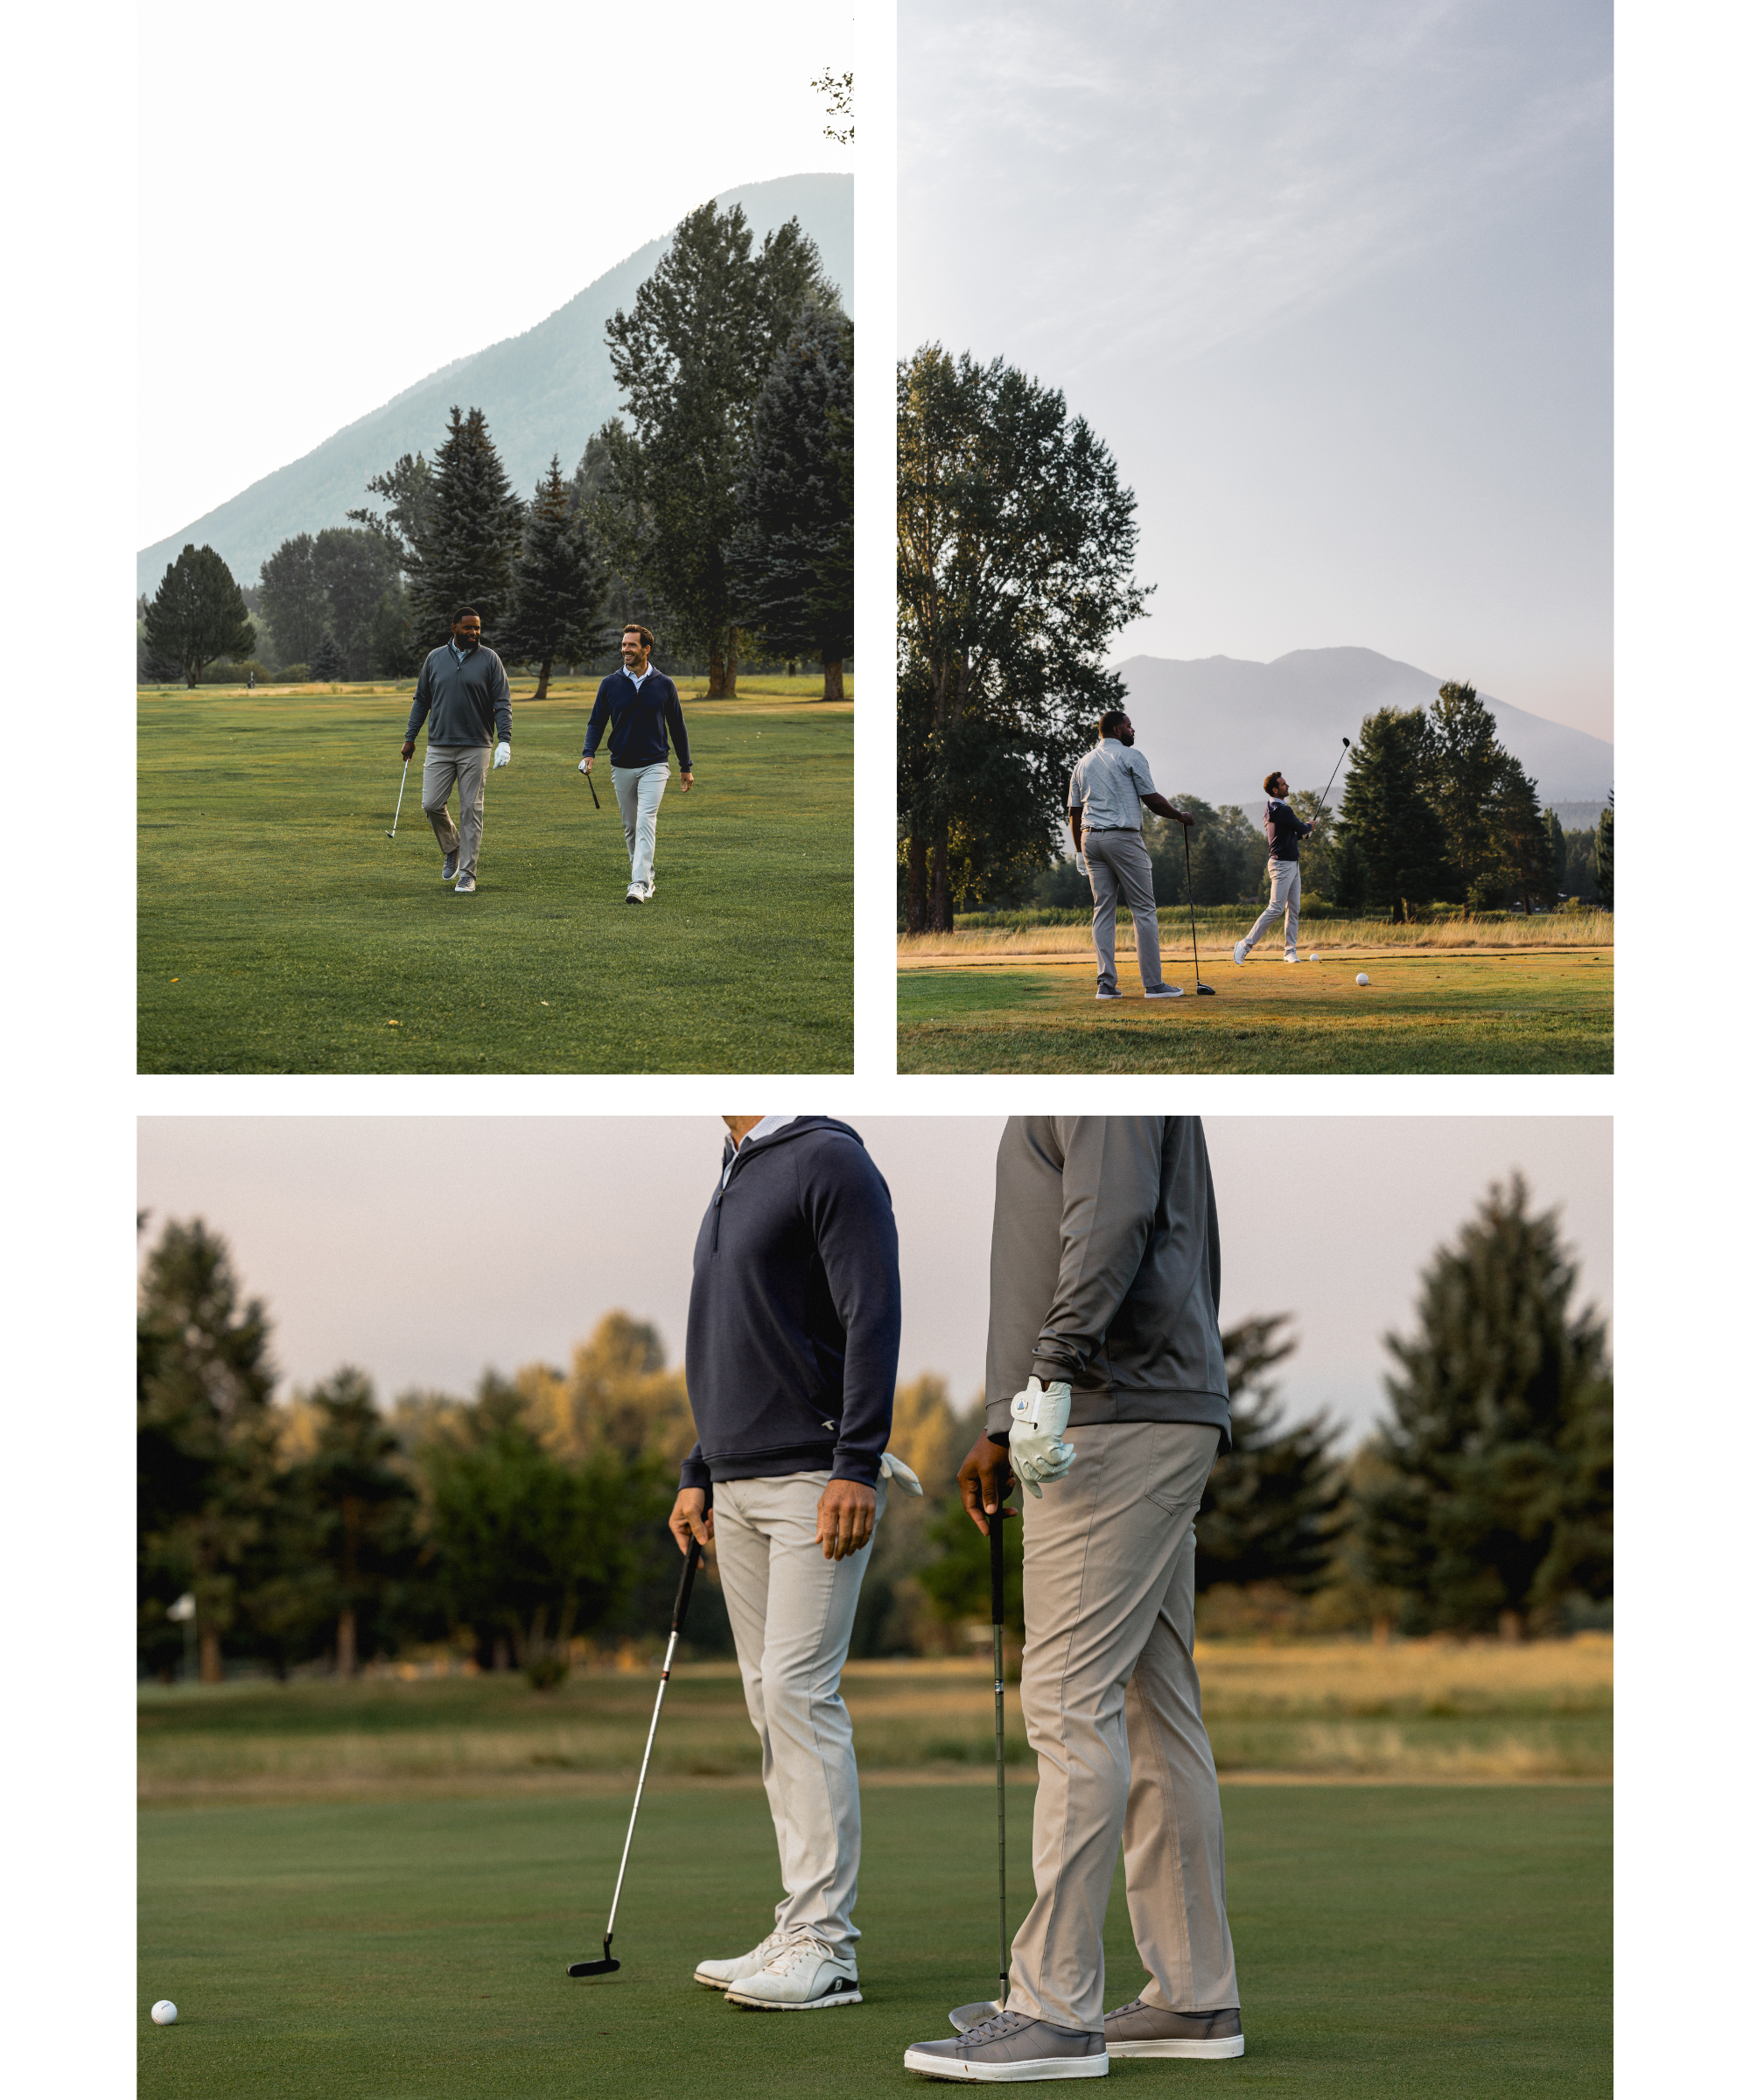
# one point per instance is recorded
(391, 831)
(1206, 991)
(1342, 756)
(607, 1964)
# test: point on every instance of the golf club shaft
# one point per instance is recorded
(1341, 755)
(396, 825)
(1185, 834)
(681, 1600)
(997, 1586)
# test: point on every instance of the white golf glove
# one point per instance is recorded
(500, 757)
(583, 765)
(1036, 1451)
(1080, 863)
(897, 1471)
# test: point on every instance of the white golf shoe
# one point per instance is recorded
(803, 1976)
(718, 1976)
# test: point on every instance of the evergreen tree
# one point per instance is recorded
(691, 359)
(205, 1439)
(295, 597)
(560, 584)
(791, 557)
(622, 528)
(1388, 824)
(1269, 1510)
(1465, 767)
(1523, 838)
(1494, 1504)
(392, 653)
(468, 538)
(1558, 848)
(1603, 866)
(326, 660)
(197, 614)
(1016, 543)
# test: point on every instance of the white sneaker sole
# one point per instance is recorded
(1022, 2070)
(1222, 2045)
(853, 1997)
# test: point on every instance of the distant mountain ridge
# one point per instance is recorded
(543, 391)
(1214, 725)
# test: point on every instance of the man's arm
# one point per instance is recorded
(852, 1215)
(1075, 825)
(1111, 1190)
(500, 698)
(598, 715)
(677, 729)
(422, 707)
(1161, 806)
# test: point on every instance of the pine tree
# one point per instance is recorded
(326, 658)
(1269, 1511)
(561, 582)
(1523, 839)
(1558, 847)
(690, 359)
(1465, 766)
(1603, 866)
(205, 1438)
(197, 614)
(468, 538)
(1388, 824)
(791, 557)
(1493, 1506)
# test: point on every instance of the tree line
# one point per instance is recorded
(327, 1530)
(1016, 543)
(717, 508)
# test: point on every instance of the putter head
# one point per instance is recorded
(604, 1967)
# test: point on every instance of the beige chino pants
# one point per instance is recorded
(462, 767)
(1110, 1696)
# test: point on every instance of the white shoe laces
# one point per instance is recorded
(803, 1948)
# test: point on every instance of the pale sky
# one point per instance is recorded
(380, 189)
(425, 1251)
(1333, 282)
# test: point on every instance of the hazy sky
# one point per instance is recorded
(1332, 279)
(380, 189)
(425, 1251)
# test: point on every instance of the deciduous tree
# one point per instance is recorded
(295, 598)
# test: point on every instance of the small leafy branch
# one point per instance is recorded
(836, 88)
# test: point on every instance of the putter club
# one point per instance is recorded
(391, 831)
(1204, 992)
(1001, 1804)
(594, 797)
(1345, 753)
(607, 1964)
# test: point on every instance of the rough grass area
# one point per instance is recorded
(1440, 1942)
(1433, 1009)
(1412, 1710)
(281, 931)
(1071, 934)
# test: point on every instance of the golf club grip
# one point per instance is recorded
(996, 1584)
(683, 1595)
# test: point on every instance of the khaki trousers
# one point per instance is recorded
(790, 1610)
(1118, 864)
(1112, 1706)
(462, 767)
(1284, 896)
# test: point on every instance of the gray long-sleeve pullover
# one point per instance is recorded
(1106, 1270)
(463, 697)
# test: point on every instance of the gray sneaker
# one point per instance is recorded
(1007, 2049)
(1139, 2029)
(451, 862)
(1166, 991)
(1101, 993)
(969, 2016)
(465, 888)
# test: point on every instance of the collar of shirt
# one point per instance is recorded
(638, 677)
(461, 655)
(764, 1128)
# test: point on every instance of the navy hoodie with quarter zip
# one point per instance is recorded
(793, 1333)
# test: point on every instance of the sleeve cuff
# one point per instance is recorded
(853, 1466)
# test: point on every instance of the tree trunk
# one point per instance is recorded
(942, 898)
(834, 681)
(346, 1644)
(1512, 1627)
(917, 880)
(212, 1662)
(729, 679)
(1381, 1632)
(714, 686)
(191, 672)
(540, 692)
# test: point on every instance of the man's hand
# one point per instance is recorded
(584, 765)
(1080, 863)
(1036, 1451)
(983, 1481)
(690, 1519)
(686, 783)
(844, 1517)
(407, 749)
(500, 757)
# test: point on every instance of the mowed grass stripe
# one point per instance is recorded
(1437, 1942)
(281, 931)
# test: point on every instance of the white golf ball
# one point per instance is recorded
(1312, 958)
(1361, 977)
(163, 2012)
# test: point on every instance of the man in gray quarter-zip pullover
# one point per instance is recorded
(1105, 1295)
(463, 687)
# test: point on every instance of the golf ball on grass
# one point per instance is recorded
(163, 2012)
(1312, 958)
(1361, 977)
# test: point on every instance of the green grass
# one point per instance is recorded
(1434, 1010)
(1427, 1942)
(281, 931)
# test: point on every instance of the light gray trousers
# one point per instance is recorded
(790, 1610)
(462, 767)
(1284, 896)
(1112, 1706)
(639, 790)
(1118, 864)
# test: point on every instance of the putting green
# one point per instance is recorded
(1428, 1941)
(281, 931)
(1424, 1010)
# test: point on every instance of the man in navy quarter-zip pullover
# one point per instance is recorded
(792, 1344)
(638, 707)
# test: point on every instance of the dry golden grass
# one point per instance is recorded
(1328, 937)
